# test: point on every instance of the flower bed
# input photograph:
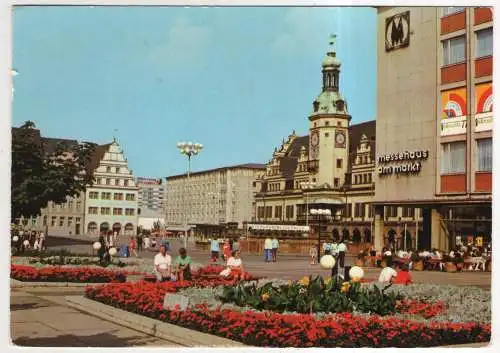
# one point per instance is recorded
(62, 274)
(213, 271)
(292, 330)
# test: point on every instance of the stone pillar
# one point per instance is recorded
(378, 236)
(435, 229)
(424, 238)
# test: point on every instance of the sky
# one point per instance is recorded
(237, 80)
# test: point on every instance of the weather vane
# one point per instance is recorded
(115, 133)
(331, 39)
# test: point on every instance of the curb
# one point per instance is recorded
(19, 284)
(173, 333)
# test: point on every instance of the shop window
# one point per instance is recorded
(454, 50)
(450, 10)
(484, 156)
(484, 43)
(453, 158)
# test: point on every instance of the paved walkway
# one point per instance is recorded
(39, 318)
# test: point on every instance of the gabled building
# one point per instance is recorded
(111, 203)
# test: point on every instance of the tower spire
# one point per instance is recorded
(331, 45)
(331, 67)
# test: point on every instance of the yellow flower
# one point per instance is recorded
(328, 280)
(265, 297)
(356, 279)
(304, 281)
(345, 287)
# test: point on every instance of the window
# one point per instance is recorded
(347, 210)
(53, 221)
(454, 50)
(126, 182)
(339, 163)
(260, 212)
(105, 210)
(289, 211)
(70, 204)
(105, 195)
(453, 158)
(484, 155)
(269, 212)
(278, 211)
(327, 123)
(118, 196)
(93, 210)
(44, 221)
(117, 170)
(117, 181)
(108, 169)
(449, 10)
(78, 220)
(99, 181)
(63, 206)
(93, 195)
(117, 211)
(369, 178)
(370, 211)
(391, 211)
(129, 211)
(61, 221)
(70, 221)
(108, 181)
(484, 44)
(327, 134)
(359, 210)
(130, 197)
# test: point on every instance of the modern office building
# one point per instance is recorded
(152, 201)
(211, 199)
(434, 123)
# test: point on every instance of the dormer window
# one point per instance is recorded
(340, 105)
(315, 106)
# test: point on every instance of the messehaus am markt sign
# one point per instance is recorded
(401, 163)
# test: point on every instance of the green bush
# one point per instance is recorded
(52, 253)
(311, 295)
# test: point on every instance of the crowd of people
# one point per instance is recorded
(28, 240)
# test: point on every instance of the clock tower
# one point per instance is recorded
(329, 126)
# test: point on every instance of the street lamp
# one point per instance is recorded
(307, 185)
(188, 149)
(320, 213)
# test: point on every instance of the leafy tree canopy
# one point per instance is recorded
(40, 175)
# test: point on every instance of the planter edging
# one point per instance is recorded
(176, 334)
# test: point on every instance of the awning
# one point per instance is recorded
(179, 229)
(279, 227)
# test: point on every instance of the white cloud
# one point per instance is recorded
(185, 45)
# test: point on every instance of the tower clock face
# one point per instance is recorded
(340, 138)
(314, 139)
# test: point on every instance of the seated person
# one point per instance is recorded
(387, 274)
(183, 264)
(403, 276)
(163, 265)
(235, 265)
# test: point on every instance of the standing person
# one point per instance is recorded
(133, 246)
(226, 250)
(146, 242)
(342, 248)
(274, 248)
(313, 254)
(37, 243)
(102, 249)
(268, 246)
(115, 235)
(162, 265)
(183, 265)
(139, 242)
(214, 249)
(41, 243)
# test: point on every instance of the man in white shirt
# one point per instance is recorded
(274, 248)
(268, 246)
(163, 265)
(387, 274)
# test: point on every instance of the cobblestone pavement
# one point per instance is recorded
(39, 318)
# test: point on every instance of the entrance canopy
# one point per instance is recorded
(278, 227)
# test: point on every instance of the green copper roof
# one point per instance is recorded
(330, 61)
(328, 103)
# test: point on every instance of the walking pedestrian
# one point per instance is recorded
(214, 249)
(274, 248)
(268, 246)
(133, 246)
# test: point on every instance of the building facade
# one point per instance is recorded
(330, 168)
(152, 201)
(211, 198)
(434, 117)
(111, 203)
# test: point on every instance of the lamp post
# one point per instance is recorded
(335, 269)
(307, 185)
(188, 149)
(320, 212)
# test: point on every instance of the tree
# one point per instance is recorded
(39, 177)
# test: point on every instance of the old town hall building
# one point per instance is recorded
(330, 168)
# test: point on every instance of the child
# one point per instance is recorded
(403, 276)
(313, 253)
